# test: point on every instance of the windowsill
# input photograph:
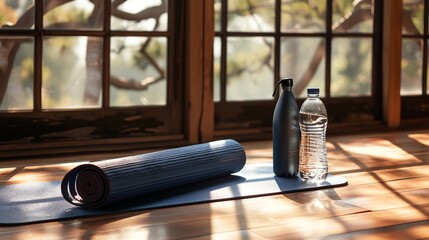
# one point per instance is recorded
(35, 151)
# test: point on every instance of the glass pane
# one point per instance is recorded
(250, 62)
(349, 16)
(16, 73)
(303, 16)
(216, 68)
(351, 67)
(412, 18)
(218, 14)
(75, 15)
(16, 14)
(411, 67)
(303, 59)
(138, 71)
(71, 72)
(251, 15)
(138, 15)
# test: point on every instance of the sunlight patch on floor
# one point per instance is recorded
(378, 152)
(421, 138)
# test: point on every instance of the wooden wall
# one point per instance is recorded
(199, 68)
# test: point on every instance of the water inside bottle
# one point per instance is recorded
(313, 165)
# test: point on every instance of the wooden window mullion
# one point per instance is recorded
(425, 48)
(38, 56)
(198, 65)
(392, 55)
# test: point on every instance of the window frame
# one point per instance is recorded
(416, 106)
(157, 125)
(252, 119)
(193, 85)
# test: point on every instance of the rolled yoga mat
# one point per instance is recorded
(104, 183)
(42, 201)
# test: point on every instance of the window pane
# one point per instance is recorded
(216, 68)
(411, 67)
(303, 59)
(348, 16)
(71, 73)
(218, 14)
(303, 16)
(138, 71)
(412, 19)
(250, 64)
(16, 14)
(75, 15)
(138, 15)
(351, 67)
(16, 73)
(251, 15)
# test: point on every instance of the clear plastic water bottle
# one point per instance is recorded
(313, 121)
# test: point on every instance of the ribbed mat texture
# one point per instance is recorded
(103, 183)
(42, 201)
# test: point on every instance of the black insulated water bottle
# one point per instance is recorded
(286, 133)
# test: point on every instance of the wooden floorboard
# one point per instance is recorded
(387, 198)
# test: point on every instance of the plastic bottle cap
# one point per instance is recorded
(312, 90)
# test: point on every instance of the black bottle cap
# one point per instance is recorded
(286, 82)
(312, 90)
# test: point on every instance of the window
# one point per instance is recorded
(333, 45)
(414, 64)
(90, 72)
(123, 74)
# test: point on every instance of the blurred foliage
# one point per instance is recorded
(296, 16)
(249, 68)
(155, 49)
(247, 53)
(139, 59)
(248, 7)
(295, 57)
(11, 10)
(59, 59)
(343, 8)
(351, 67)
(67, 13)
(217, 15)
(7, 14)
(300, 16)
(21, 77)
(251, 15)
(412, 54)
(19, 4)
(27, 71)
(416, 8)
(411, 64)
(340, 8)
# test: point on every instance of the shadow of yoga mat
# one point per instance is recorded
(43, 201)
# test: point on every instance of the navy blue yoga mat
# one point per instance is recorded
(43, 201)
(108, 182)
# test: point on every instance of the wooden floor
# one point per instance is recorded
(387, 198)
